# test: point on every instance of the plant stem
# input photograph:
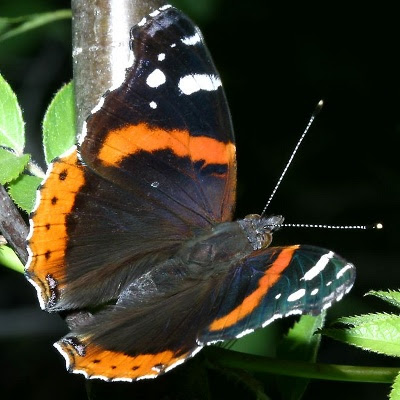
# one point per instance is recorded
(227, 358)
(100, 46)
(12, 226)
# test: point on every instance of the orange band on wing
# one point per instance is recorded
(124, 142)
(113, 365)
(270, 277)
(49, 239)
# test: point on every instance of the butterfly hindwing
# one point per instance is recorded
(149, 339)
(276, 282)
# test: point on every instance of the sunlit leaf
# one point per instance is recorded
(395, 393)
(391, 296)
(379, 332)
(9, 259)
(59, 123)
(11, 122)
(23, 191)
(11, 165)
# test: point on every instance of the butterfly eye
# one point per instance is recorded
(264, 239)
(252, 216)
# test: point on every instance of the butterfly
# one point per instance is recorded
(134, 225)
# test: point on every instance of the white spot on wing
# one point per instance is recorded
(326, 306)
(66, 356)
(294, 312)
(195, 351)
(147, 377)
(156, 78)
(329, 283)
(318, 267)
(272, 319)
(343, 270)
(98, 106)
(192, 40)
(79, 371)
(161, 57)
(162, 8)
(82, 135)
(314, 291)
(155, 184)
(122, 380)
(244, 333)
(30, 257)
(199, 343)
(193, 83)
(179, 362)
(31, 224)
(347, 290)
(154, 13)
(278, 296)
(153, 105)
(39, 293)
(173, 45)
(142, 21)
(296, 295)
(103, 378)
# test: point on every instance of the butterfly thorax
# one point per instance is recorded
(227, 243)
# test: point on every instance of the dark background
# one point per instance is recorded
(276, 62)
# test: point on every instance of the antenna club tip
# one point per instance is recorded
(318, 108)
(378, 225)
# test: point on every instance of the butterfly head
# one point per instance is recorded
(259, 229)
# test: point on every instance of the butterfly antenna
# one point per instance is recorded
(313, 115)
(377, 225)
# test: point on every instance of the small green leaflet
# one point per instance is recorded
(58, 136)
(11, 165)
(23, 191)
(9, 259)
(59, 123)
(379, 332)
(11, 122)
(391, 296)
(395, 393)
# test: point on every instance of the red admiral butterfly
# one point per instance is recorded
(136, 223)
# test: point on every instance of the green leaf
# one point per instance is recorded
(395, 393)
(11, 165)
(299, 344)
(23, 191)
(391, 296)
(59, 123)
(16, 26)
(379, 333)
(11, 122)
(360, 319)
(10, 260)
